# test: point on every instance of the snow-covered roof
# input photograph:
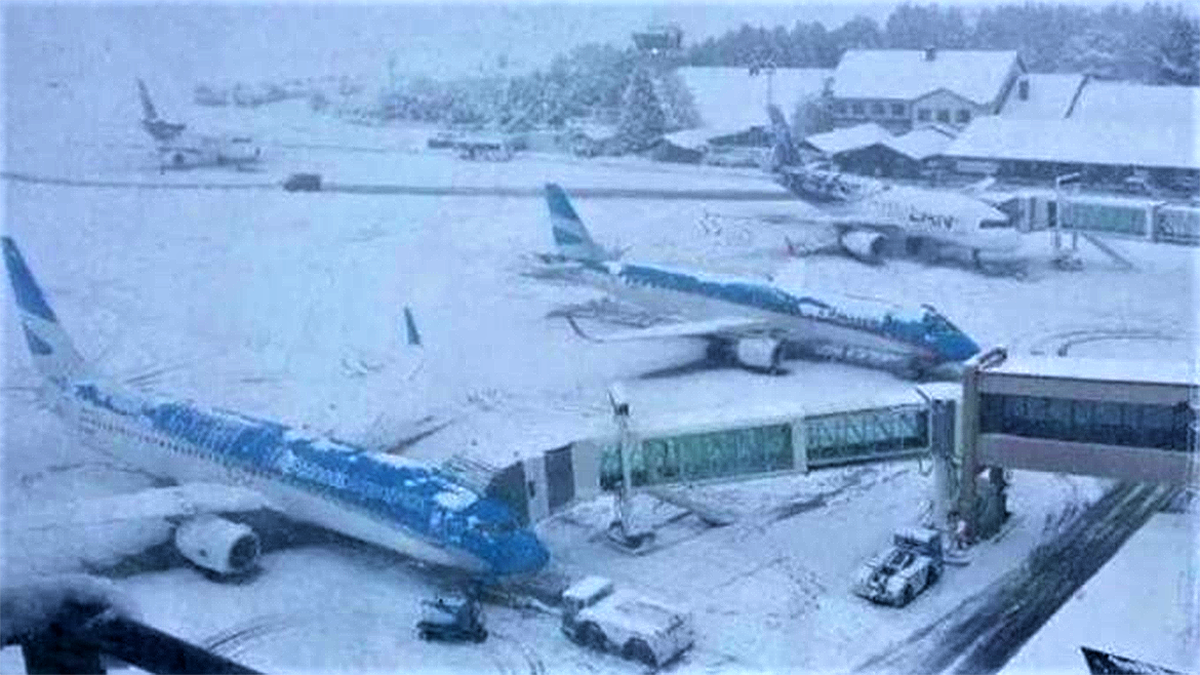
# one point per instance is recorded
(921, 143)
(1112, 370)
(1078, 141)
(905, 74)
(848, 138)
(696, 139)
(1050, 96)
(1138, 103)
(732, 100)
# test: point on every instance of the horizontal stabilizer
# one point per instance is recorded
(724, 327)
(171, 502)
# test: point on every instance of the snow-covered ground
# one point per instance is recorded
(289, 306)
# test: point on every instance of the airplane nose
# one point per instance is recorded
(961, 347)
(522, 553)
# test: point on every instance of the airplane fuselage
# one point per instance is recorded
(398, 504)
(785, 316)
(943, 216)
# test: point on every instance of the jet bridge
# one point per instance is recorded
(1130, 420)
(734, 447)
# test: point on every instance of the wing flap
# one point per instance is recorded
(708, 328)
(171, 502)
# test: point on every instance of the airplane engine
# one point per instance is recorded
(217, 545)
(758, 353)
(865, 246)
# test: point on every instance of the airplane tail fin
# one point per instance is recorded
(149, 114)
(784, 151)
(53, 353)
(571, 238)
(54, 356)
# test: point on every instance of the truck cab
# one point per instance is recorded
(598, 616)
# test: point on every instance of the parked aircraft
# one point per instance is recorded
(751, 321)
(868, 214)
(227, 463)
(180, 149)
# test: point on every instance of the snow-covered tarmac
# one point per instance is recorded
(289, 306)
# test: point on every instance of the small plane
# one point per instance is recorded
(223, 463)
(746, 320)
(869, 215)
(180, 149)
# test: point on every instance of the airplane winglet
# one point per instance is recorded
(410, 326)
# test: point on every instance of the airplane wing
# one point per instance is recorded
(708, 328)
(170, 502)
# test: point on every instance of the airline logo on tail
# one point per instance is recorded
(53, 354)
(571, 238)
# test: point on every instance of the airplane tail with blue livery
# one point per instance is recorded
(53, 354)
(571, 237)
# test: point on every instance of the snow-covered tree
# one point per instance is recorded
(812, 116)
(642, 120)
(679, 108)
(1179, 53)
(1095, 52)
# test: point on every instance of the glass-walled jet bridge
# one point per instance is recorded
(1130, 420)
(655, 454)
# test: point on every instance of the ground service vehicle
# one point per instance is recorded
(596, 616)
(912, 564)
(451, 619)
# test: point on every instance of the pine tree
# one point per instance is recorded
(642, 120)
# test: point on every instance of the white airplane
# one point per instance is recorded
(225, 463)
(751, 321)
(868, 215)
(181, 149)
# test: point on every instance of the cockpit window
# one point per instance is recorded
(497, 528)
(938, 323)
(993, 224)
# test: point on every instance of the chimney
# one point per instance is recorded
(930, 53)
(1023, 89)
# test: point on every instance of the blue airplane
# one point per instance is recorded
(751, 321)
(225, 463)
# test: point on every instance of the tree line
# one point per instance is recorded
(1154, 44)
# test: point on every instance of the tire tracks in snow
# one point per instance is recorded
(986, 629)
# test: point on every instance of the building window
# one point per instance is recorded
(856, 108)
(897, 110)
(923, 114)
(877, 109)
(840, 107)
(963, 116)
(943, 115)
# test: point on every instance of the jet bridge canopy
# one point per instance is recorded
(704, 450)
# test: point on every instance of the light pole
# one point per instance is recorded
(1061, 202)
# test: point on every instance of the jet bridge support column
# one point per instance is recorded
(621, 530)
